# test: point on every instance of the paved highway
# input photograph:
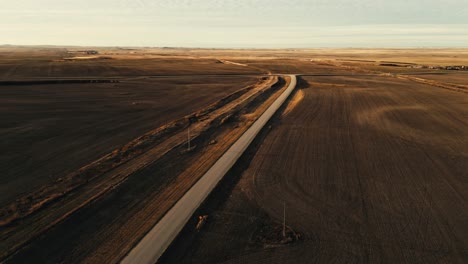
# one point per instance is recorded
(153, 245)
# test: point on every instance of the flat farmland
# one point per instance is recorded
(108, 206)
(294, 66)
(370, 170)
(48, 131)
(455, 78)
(22, 63)
(442, 56)
(119, 67)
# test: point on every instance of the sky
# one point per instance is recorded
(236, 23)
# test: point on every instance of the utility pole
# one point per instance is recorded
(284, 219)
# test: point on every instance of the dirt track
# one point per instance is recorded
(372, 170)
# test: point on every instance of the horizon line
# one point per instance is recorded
(232, 48)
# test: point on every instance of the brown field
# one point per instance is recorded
(391, 69)
(51, 130)
(296, 66)
(89, 148)
(419, 56)
(455, 78)
(48, 62)
(371, 169)
(104, 230)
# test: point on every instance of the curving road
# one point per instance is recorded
(153, 245)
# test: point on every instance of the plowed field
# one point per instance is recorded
(370, 169)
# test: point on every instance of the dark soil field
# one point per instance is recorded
(116, 68)
(48, 131)
(370, 170)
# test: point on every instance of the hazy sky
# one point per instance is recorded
(236, 23)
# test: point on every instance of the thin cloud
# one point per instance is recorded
(241, 23)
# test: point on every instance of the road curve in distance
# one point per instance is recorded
(158, 239)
